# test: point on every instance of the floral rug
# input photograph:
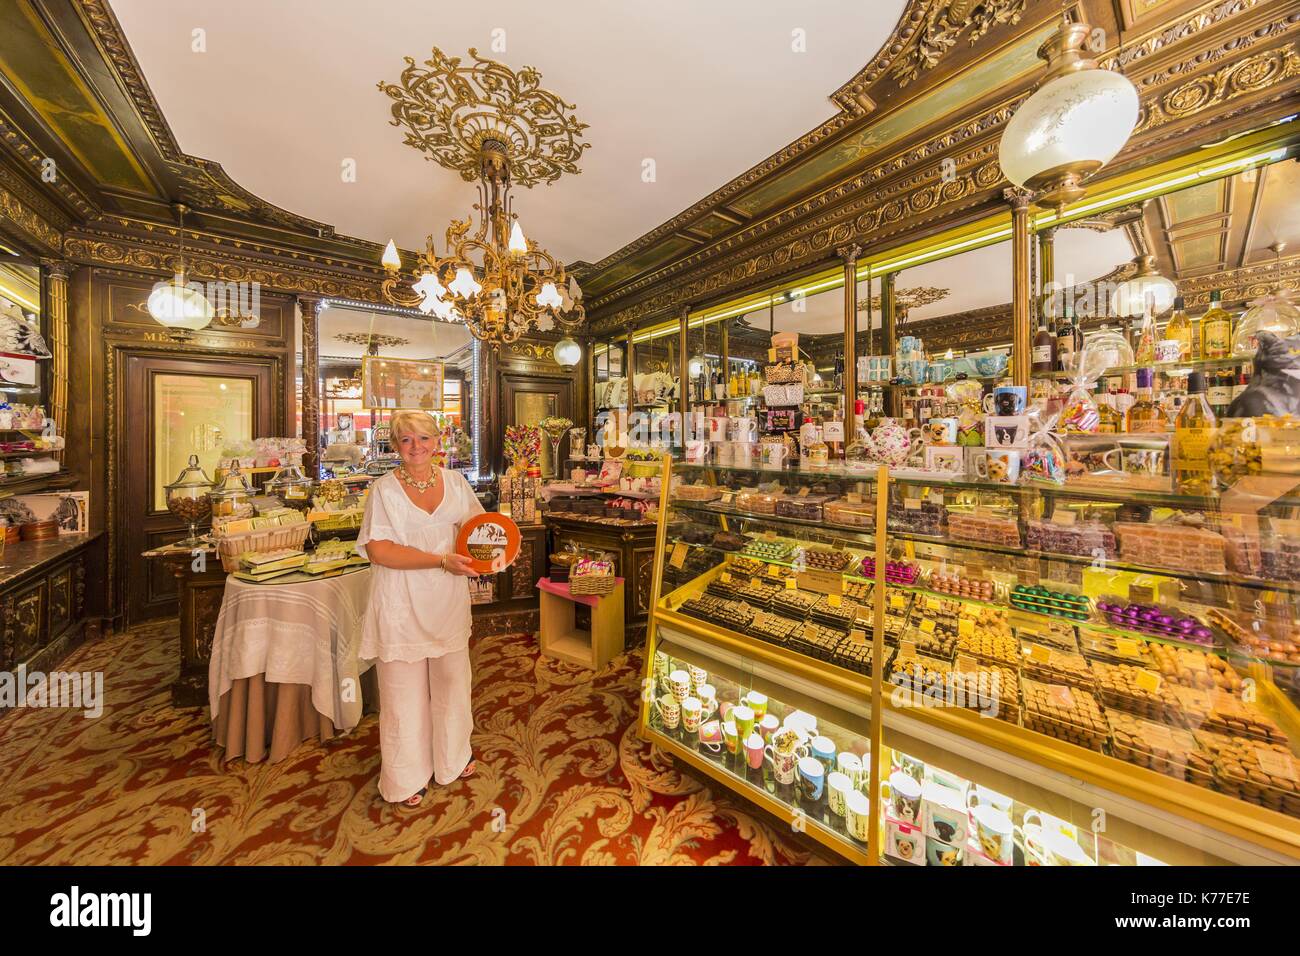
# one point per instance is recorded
(562, 779)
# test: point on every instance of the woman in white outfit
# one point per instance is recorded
(418, 623)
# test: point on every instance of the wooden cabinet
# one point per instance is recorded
(43, 610)
(514, 607)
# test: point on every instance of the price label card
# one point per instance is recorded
(791, 584)
(897, 602)
(1195, 660)
(853, 499)
(756, 581)
(932, 604)
(1063, 516)
(912, 504)
(678, 560)
(907, 649)
(966, 664)
(1039, 654)
(1061, 694)
(810, 631)
(774, 570)
(927, 626)
(1148, 680)
(1127, 647)
(1275, 764)
(803, 492)
(727, 496)
(858, 636)
(726, 578)
(834, 600)
(965, 627)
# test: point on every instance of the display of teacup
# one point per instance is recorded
(944, 813)
(993, 831)
(698, 676)
(902, 795)
(729, 736)
(1001, 465)
(679, 683)
(789, 741)
(857, 815)
(812, 778)
(982, 796)
(1050, 841)
(803, 721)
(758, 702)
(744, 719)
(1006, 431)
(838, 787)
(670, 711)
(784, 765)
(768, 726)
(755, 751)
(940, 431)
(823, 748)
(692, 710)
(724, 709)
(905, 842)
(711, 736)
(938, 853)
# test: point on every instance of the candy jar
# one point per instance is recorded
(233, 496)
(291, 486)
(189, 498)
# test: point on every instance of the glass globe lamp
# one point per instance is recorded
(1274, 313)
(180, 307)
(1131, 296)
(568, 352)
(1074, 123)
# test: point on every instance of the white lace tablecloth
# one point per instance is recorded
(306, 633)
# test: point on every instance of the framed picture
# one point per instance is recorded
(70, 508)
(345, 427)
(401, 383)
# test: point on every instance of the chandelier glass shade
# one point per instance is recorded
(1147, 288)
(176, 305)
(568, 353)
(1073, 125)
(1274, 313)
(496, 127)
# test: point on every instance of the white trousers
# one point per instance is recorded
(424, 723)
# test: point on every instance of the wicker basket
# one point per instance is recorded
(233, 546)
(640, 469)
(592, 583)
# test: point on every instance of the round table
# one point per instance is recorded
(284, 664)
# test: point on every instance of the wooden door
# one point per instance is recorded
(526, 399)
(173, 408)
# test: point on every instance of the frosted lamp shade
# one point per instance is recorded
(1131, 296)
(391, 260)
(180, 306)
(1273, 313)
(696, 366)
(1079, 118)
(518, 244)
(568, 352)
(465, 285)
(432, 290)
(549, 297)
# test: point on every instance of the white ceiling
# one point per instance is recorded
(975, 280)
(286, 91)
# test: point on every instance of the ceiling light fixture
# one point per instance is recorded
(180, 306)
(1077, 120)
(568, 352)
(500, 128)
(1131, 296)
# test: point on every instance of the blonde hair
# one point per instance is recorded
(412, 422)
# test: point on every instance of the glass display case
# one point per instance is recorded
(1067, 674)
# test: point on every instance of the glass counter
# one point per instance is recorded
(1118, 669)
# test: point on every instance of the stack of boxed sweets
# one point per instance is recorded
(1263, 773)
(697, 492)
(1168, 750)
(985, 634)
(932, 627)
(909, 514)
(1275, 638)
(984, 527)
(853, 511)
(266, 565)
(1137, 691)
(760, 500)
(824, 559)
(896, 572)
(817, 640)
(766, 550)
(1084, 540)
(1053, 665)
(803, 506)
(970, 588)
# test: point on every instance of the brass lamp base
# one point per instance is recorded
(1056, 188)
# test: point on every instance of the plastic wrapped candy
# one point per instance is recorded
(1045, 458)
(1101, 351)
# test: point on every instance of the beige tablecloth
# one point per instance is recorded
(284, 664)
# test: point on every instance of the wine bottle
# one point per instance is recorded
(1194, 433)
(1044, 348)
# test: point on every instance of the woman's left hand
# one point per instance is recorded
(454, 563)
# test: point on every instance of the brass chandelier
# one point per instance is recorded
(499, 128)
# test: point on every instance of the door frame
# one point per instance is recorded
(515, 383)
(119, 413)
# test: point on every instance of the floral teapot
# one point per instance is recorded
(891, 443)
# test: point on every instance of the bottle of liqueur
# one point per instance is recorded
(1144, 415)
(1216, 329)
(1043, 351)
(1218, 391)
(839, 372)
(1145, 352)
(1068, 340)
(1194, 433)
(1180, 329)
(1110, 421)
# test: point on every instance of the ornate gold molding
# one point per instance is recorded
(32, 225)
(945, 24)
(1186, 27)
(1242, 77)
(1242, 285)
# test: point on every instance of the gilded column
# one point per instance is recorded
(850, 256)
(683, 360)
(631, 373)
(310, 385)
(56, 293)
(1047, 268)
(1021, 292)
(888, 335)
(725, 351)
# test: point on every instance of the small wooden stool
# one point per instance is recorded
(560, 638)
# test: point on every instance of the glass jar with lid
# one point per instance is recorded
(233, 495)
(291, 485)
(189, 498)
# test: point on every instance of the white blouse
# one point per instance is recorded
(422, 613)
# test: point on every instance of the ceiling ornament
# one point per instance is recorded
(499, 128)
(908, 298)
(945, 25)
(372, 342)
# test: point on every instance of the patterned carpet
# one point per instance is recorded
(562, 779)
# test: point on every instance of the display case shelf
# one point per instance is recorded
(1165, 368)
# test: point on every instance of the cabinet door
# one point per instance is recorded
(61, 601)
(24, 622)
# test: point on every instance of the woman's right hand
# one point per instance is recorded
(454, 563)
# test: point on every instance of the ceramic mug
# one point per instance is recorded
(698, 676)
(904, 842)
(903, 794)
(1060, 850)
(787, 740)
(729, 736)
(784, 765)
(812, 778)
(940, 431)
(1006, 400)
(823, 748)
(774, 454)
(708, 697)
(1001, 465)
(838, 787)
(802, 721)
(993, 830)
(982, 796)
(768, 726)
(755, 751)
(757, 702)
(670, 712)
(938, 853)
(679, 682)
(857, 815)
(744, 719)
(692, 709)
(711, 736)
(850, 764)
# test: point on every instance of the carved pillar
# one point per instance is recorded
(491, 414)
(888, 335)
(631, 373)
(310, 385)
(56, 295)
(1047, 268)
(725, 351)
(1021, 293)
(850, 256)
(683, 360)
